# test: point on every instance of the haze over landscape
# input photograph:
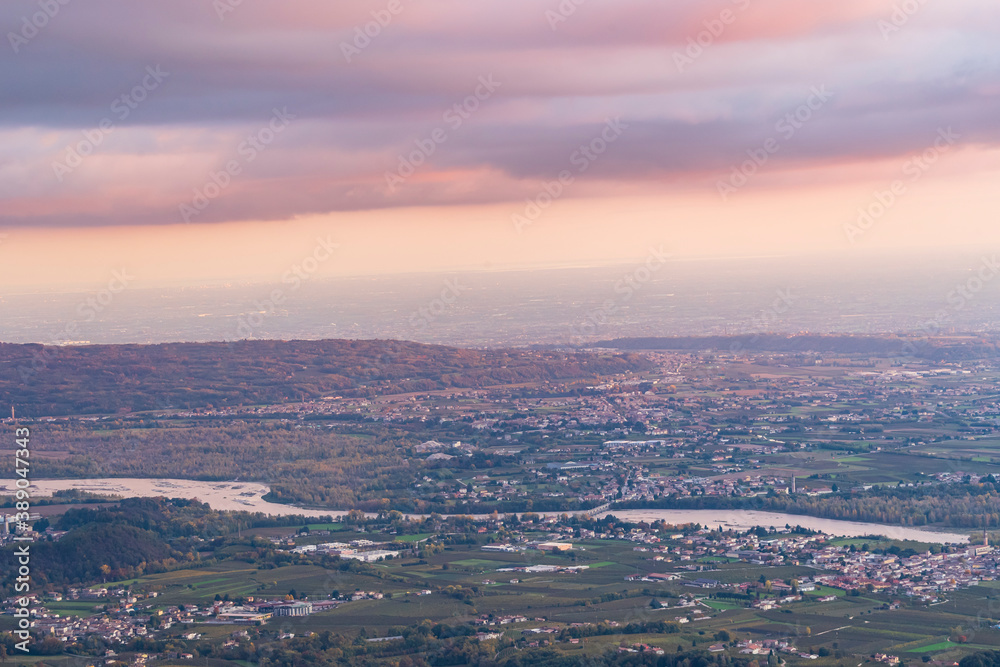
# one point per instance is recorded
(921, 295)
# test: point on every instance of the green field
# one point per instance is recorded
(479, 563)
(719, 605)
(940, 646)
(413, 538)
(857, 624)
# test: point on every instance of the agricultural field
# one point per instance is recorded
(466, 582)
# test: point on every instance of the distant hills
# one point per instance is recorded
(939, 348)
(101, 379)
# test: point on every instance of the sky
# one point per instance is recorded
(198, 141)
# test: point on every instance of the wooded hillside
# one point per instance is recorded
(101, 379)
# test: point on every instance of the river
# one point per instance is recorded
(744, 519)
(227, 496)
(248, 497)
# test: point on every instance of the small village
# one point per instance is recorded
(676, 557)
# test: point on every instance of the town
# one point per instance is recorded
(785, 505)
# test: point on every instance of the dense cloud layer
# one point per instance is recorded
(197, 111)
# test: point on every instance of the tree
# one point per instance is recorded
(49, 646)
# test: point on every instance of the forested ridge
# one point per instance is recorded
(108, 379)
(139, 535)
(112, 550)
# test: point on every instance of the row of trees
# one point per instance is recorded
(960, 505)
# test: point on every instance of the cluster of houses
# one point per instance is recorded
(641, 648)
(607, 472)
(126, 616)
(923, 575)
(500, 620)
(118, 628)
(765, 647)
(120, 622)
(624, 400)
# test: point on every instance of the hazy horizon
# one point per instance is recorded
(658, 296)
